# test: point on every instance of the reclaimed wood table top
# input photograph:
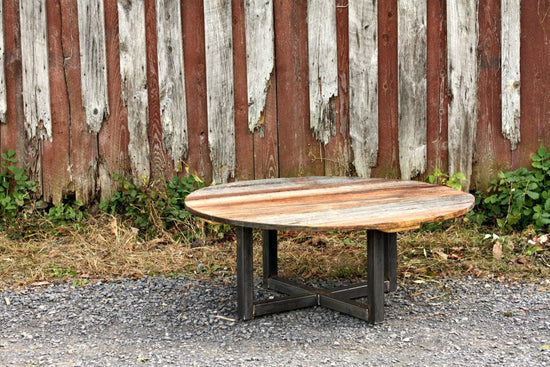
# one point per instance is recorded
(328, 203)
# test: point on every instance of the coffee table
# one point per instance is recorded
(382, 207)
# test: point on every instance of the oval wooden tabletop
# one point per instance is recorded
(328, 203)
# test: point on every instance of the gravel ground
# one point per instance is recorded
(183, 322)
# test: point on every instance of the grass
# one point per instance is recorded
(101, 247)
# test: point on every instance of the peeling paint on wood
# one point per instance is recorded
(93, 62)
(510, 63)
(133, 70)
(323, 68)
(363, 70)
(36, 82)
(3, 103)
(260, 58)
(171, 78)
(412, 87)
(462, 42)
(219, 86)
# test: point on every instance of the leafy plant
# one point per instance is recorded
(71, 211)
(520, 198)
(454, 181)
(152, 207)
(15, 186)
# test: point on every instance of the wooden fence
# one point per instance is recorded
(242, 89)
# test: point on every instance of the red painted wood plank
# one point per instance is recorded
(198, 158)
(244, 143)
(535, 78)
(55, 153)
(437, 96)
(388, 150)
(492, 151)
(266, 150)
(299, 153)
(338, 149)
(114, 136)
(329, 203)
(162, 165)
(13, 132)
(83, 154)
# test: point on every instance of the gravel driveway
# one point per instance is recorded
(183, 322)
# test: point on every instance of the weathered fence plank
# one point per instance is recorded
(338, 149)
(83, 160)
(462, 70)
(363, 79)
(91, 33)
(171, 78)
(299, 153)
(133, 70)
(36, 84)
(260, 58)
(244, 139)
(3, 104)
(219, 87)
(436, 89)
(510, 63)
(411, 58)
(492, 149)
(323, 68)
(114, 136)
(535, 96)
(198, 158)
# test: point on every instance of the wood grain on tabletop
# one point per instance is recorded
(328, 203)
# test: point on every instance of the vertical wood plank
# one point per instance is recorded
(160, 159)
(411, 58)
(12, 133)
(219, 86)
(91, 34)
(338, 149)
(299, 153)
(114, 136)
(83, 143)
(36, 84)
(492, 150)
(3, 105)
(510, 63)
(323, 68)
(388, 130)
(198, 157)
(133, 70)
(56, 153)
(535, 76)
(244, 139)
(171, 78)
(260, 58)
(436, 90)
(462, 40)
(363, 90)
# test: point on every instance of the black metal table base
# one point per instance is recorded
(381, 277)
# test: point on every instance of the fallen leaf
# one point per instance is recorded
(544, 347)
(455, 256)
(440, 253)
(113, 227)
(497, 250)
(40, 284)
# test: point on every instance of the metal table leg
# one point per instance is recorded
(245, 281)
(375, 275)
